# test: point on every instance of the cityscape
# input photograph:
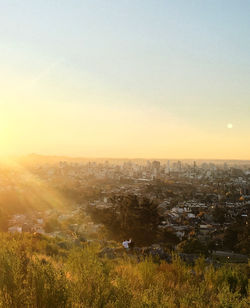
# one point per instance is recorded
(124, 154)
(192, 200)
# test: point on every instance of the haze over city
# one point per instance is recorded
(124, 153)
(164, 79)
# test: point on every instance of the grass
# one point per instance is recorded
(32, 276)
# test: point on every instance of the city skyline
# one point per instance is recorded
(128, 80)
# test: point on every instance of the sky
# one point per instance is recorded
(123, 78)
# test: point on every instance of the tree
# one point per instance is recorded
(52, 225)
(129, 217)
(3, 220)
(219, 214)
(192, 246)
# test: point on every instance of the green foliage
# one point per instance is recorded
(52, 225)
(48, 285)
(3, 220)
(89, 281)
(192, 246)
(129, 217)
(219, 214)
(237, 238)
(30, 276)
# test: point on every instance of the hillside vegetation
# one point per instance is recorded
(36, 271)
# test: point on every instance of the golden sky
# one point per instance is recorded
(165, 80)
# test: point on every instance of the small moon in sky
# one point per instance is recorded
(229, 125)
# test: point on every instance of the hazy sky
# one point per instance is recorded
(167, 79)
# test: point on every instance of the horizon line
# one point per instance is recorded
(123, 158)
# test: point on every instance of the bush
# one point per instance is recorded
(82, 279)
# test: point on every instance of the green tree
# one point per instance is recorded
(192, 246)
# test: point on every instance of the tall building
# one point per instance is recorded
(195, 167)
(167, 170)
(156, 165)
(179, 166)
